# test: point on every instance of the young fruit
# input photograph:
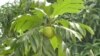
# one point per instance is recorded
(48, 31)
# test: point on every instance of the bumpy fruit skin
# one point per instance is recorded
(48, 31)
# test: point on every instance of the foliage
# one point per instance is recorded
(89, 16)
(21, 25)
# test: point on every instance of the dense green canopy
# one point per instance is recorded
(69, 28)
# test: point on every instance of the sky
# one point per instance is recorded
(5, 1)
(2, 2)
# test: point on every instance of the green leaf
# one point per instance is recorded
(63, 22)
(33, 44)
(47, 48)
(34, 40)
(76, 26)
(48, 9)
(81, 30)
(59, 1)
(70, 1)
(26, 22)
(75, 33)
(89, 29)
(67, 6)
(54, 42)
(60, 47)
(26, 47)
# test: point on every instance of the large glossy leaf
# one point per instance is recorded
(75, 26)
(72, 32)
(27, 21)
(67, 6)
